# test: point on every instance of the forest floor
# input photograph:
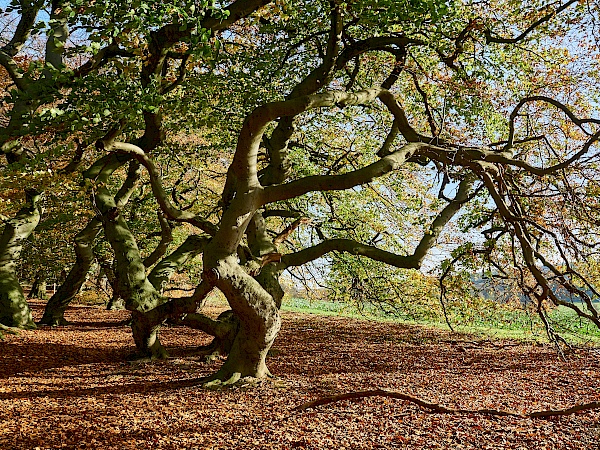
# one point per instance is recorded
(71, 387)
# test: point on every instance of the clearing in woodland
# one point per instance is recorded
(70, 387)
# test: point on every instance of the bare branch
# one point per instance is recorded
(278, 167)
(290, 229)
(341, 182)
(540, 98)
(349, 246)
(435, 407)
(499, 40)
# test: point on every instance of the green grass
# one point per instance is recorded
(502, 323)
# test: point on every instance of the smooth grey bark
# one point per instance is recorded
(259, 320)
(14, 310)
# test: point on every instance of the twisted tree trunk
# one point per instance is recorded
(54, 314)
(259, 320)
(14, 310)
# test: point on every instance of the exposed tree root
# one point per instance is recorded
(434, 407)
(7, 329)
(236, 380)
(156, 354)
(214, 382)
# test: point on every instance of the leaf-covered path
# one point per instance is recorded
(70, 387)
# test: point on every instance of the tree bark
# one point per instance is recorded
(139, 294)
(164, 270)
(14, 310)
(116, 302)
(133, 285)
(259, 320)
(54, 314)
(84, 254)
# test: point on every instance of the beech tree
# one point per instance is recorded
(367, 128)
(13, 307)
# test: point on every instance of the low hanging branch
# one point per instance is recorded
(434, 407)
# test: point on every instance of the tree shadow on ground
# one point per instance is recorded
(83, 326)
(17, 357)
(138, 387)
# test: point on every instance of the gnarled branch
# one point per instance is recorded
(436, 407)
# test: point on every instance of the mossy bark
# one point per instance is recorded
(132, 284)
(166, 268)
(14, 310)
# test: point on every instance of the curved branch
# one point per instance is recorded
(530, 254)
(413, 261)
(181, 74)
(485, 157)
(345, 181)
(243, 165)
(282, 236)
(155, 181)
(166, 237)
(185, 305)
(100, 59)
(437, 226)
(16, 75)
(277, 146)
(374, 43)
(349, 246)
(400, 119)
(75, 163)
(541, 98)
(170, 34)
(164, 270)
(29, 12)
(499, 40)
